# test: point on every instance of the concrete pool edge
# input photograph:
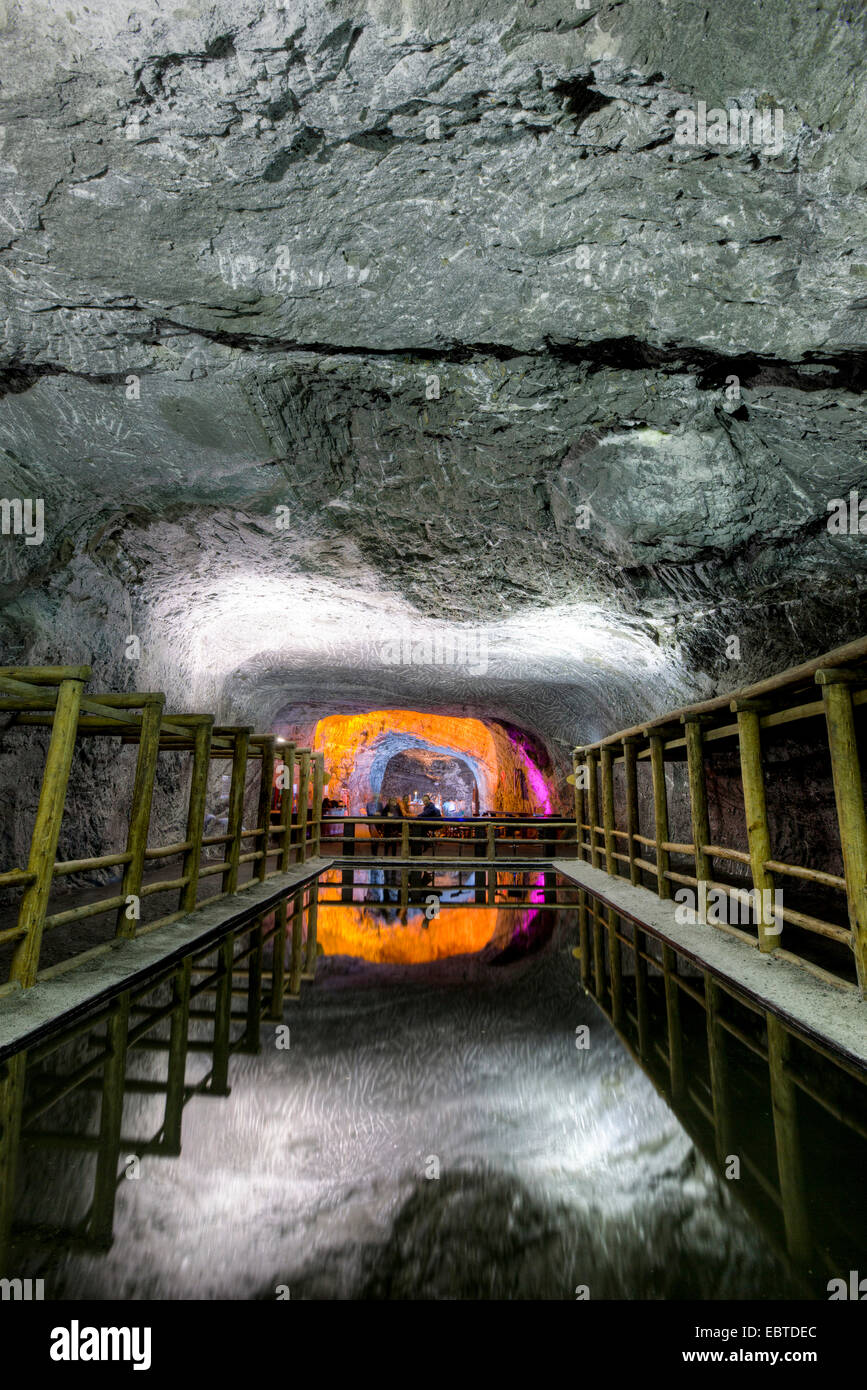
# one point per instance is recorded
(827, 1015)
(29, 1016)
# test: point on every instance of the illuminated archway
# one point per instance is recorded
(412, 772)
(358, 748)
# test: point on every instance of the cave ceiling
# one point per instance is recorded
(334, 325)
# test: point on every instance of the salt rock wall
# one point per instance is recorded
(358, 749)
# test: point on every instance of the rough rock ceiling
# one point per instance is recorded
(323, 322)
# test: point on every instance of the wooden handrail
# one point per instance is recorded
(779, 702)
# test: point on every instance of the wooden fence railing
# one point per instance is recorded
(53, 697)
(213, 1004)
(488, 838)
(738, 1075)
(817, 705)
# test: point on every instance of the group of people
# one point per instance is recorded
(397, 809)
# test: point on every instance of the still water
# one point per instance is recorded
(435, 1129)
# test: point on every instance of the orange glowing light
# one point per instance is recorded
(350, 743)
(353, 930)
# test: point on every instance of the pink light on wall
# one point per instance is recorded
(538, 785)
(536, 781)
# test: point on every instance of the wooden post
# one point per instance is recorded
(492, 884)
(615, 973)
(478, 853)
(549, 889)
(263, 810)
(607, 762)
(288, 779)
(606, 757)
(179, 1032)
(223, 1017)
(586, 813)
(297, 942)
(318, 787)
(579, 799)
(140, 813)
(758, 835)
(278, 961)
(404, 839)
(718, 1063)
(101, 1224)
(592, 806)
(641, 1000)
(490, 871)
(12, 1073)
(784, 1101)
(252, 1030)
(600, 982)
(580, 815)
(46, 831)
(347, 850)
(584, 937)
(312, 921)
(660, 814)
(235, 822)
(672, 1015)
(630, 767)
(849, 796)
(697, 795)
(303, 795)
(196, 814)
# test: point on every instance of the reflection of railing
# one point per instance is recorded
(469, 883)
(717, 1055)
(186, 1008)
(818, 703)
(53, 698)
(416, 837)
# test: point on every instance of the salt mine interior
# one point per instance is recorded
(433, 625)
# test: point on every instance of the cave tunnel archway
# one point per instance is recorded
(359, 747)
(414, 772)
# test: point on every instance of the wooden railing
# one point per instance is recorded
(698, 1036)
(488, 838)
(819, 701)
(53, 697)
(213, 1004)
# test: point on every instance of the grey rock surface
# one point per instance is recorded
(554, 1167)
(325, 322)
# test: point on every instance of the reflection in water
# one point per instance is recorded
(782, 1118)
(403, 1133)
(387, 936)
(400, 917)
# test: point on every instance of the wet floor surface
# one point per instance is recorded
(429, 1132)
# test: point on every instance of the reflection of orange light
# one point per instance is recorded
(347, 930)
